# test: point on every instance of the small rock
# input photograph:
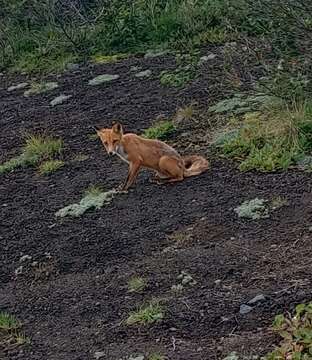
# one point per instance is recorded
(145, 73)
(60, 99)
(25, 258)
(256, 299)
(34, 263)
(245, 309)
(18, 86)
(310, 228)
(99, 354)
(19, 270)
(100, 79)
(218, 282)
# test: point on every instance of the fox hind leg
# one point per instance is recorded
(171, 169)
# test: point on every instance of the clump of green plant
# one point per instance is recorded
(107, 59)
(136, 284)
(242, 103)
(254, 209)
(50, 166)
(176, 78)
(277, 202)
(161, 131)
(296, 334)
(10, 330)
(146, 315)
(156, 356)
(94, 198)
(35, 150)
(39, 88)
(271, 140)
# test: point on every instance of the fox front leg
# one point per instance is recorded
(132, 174)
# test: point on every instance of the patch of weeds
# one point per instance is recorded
(36, 149)
(254, 209)
(296, 334)
(146, 315)
(278, 202)
(184, 115)
(136, 284)
(176, 78)
(271, 140)
(94, 198)
(39, 88)
(107, 59)
(93, 137)
(242, 103)
(93, 190)
(10, 330)
(80, 158)
(213, 36)
(8, 322)
(50, 166)
(161, 131)
(156, 356)
(182, 237)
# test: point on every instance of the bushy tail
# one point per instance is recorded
(195, 165)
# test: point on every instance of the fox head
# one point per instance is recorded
(111, 138)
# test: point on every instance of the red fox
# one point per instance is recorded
(152, 154)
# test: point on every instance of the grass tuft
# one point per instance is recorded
(35, 150)
(271, 140)
(8, 322)
(9, 331)
(156, 356)
(136, 284)
(146, 315)
(50, 166)
(161, 131)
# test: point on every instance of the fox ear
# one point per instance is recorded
(117, 128)
(96, 128)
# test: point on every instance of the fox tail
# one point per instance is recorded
(195, 165)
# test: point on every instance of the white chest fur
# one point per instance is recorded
(122, 154)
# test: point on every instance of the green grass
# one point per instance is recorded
(296, 334)
(50, 166)
(10, 331)
(271, 140)
(176, 78)
(161, 131)
(35, 150)
(93, 190)
(42, 45)
(156, 356)
(8, 322)
(136, 284)
(146, 315)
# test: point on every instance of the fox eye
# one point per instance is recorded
(115, 141)
(105, 143)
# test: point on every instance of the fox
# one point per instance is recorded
(138, 152)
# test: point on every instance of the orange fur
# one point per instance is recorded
(153, 154)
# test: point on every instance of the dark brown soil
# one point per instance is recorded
(73, 301)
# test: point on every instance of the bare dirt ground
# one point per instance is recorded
(73, 303)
